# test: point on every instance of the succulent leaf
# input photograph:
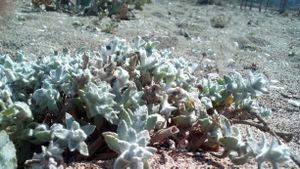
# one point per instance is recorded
(112, 141)
(8, 157)
(74, 136)
(50, 157)
(99, 101)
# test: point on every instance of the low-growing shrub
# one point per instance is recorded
(219, 21)
(134, 96)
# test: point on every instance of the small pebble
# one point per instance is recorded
(294, 103)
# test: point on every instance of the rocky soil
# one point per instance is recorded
(264, 42)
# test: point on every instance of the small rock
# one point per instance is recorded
(294, 103)
(285, 63)
(275, 87)
(219, 21)
(230, 62)
(206, 60)
(213, 76)
(291, 54)
(236, 44)
(274, 81)
(77, 24)
(20, 18)
(92, 29)
(185, 34)
(286, 95)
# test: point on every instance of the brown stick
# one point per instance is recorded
(268, 129)
(105, 156)
(285, 136)
(95, 145)
(296, 159)
(92, 148)
(163, 134)
(197, 142)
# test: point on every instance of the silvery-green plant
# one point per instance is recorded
(212, 90)
(121, 81)
(130, 145)
(141, 95)
(140, 120)
(189, 108)
(150, 47)
(73, 135)
(166, 108)
(245, 90)
(99, 101)
(241, 88)
(46, 98)
(187, 118)
(148, 62)
(50, 157)
(8, 158)
(16, 114)
(35, 133)
(231, 141)
(132, 138)
(274, 153)
(165, 72)
(240, 152)
(119, 45)
(131, 98)
(5, 96)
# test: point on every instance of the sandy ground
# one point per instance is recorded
(263, 40)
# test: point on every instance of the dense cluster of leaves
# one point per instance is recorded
(130, 94)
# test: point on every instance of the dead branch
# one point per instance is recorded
(105, 156)
(287, 137)
(93, 148)
(296, 159)
(163, 134)
(95, 145)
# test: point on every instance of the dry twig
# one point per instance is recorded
(163, 134)
(287, 137)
